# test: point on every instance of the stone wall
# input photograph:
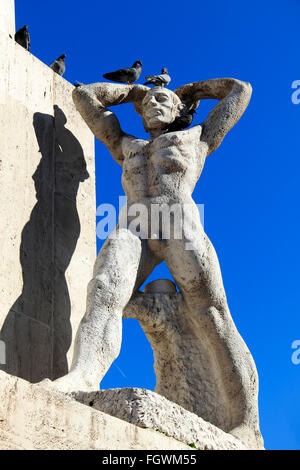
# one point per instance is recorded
(7, 16)
(47, 212)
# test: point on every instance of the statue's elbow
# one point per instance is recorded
(79, 96)
(246, 89)
(244, 92)
(76, 95)
(249, 88)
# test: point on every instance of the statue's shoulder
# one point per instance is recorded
(193, 133)
(132, 145)
(196, 130)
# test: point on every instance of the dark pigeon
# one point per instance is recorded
(182, 122)
(159, 80)
(59, 65)
(22, 37)
(129, 75)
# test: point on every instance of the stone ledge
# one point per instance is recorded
(38, 417)
(147, 409)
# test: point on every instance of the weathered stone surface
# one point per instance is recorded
(34, 417)
(150, 410)
(7, 16)
(158, 174)
(160, 286)
(185, 365)
(47, 210)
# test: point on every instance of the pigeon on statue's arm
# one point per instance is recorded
(127, 75)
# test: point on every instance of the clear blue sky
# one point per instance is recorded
(250, 185)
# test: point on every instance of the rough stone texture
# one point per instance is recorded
(160, 286)
(34, 417)
(47, 211)
(150, 410)
(184, 364)
(159, 173)
(186, 369)
(7, 16)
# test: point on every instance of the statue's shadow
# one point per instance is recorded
(37, 330)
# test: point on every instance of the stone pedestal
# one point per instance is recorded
(149, 410)
(34, 417)
(47, 210)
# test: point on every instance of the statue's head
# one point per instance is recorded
(160, 107)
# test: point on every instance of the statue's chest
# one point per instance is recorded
(136, 155)
(176, 149)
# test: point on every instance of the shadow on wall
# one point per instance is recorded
(37, 330)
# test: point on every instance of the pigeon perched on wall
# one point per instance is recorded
(129, 75)
(182, 122)
(159, 80)
(59, 65)
(22, 37)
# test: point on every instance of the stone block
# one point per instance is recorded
(34, 417)
(149, 410)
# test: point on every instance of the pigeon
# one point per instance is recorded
(159, 80)
(59, 65)
(129, 75)
(22, 37)
(182, 122)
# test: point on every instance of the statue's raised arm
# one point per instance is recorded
(92, 102)
(234, 96)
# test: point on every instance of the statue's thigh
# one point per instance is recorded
(119, 258)
(195, 268)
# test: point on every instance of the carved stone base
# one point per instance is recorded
(147, 409)
(39, 417)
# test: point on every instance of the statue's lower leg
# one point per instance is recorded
(98, 340)
(97, 343)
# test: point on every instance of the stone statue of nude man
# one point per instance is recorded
(163, 170)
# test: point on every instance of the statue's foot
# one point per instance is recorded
(248, 436)
(70, 383)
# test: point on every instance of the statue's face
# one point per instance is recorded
(159, 108)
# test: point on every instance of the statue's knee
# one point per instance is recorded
(100, 291)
